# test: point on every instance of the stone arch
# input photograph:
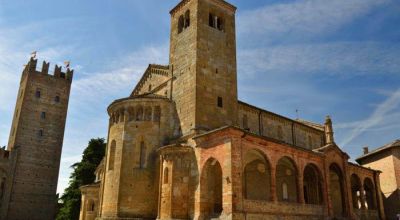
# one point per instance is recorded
(157, 114)
(111, 155)
(370, 199)
(121, 115)
(256, 176)
(286, 173)
(111, 120)
(131, 113)
(139, 113)
(181, 23)
(117, 117)
(312, 185)
(148, 111)
(355, 191)
(336, 190)
(211, 188)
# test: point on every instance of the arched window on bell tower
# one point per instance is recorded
(187, 19)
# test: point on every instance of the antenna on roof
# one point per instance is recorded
(297, 113)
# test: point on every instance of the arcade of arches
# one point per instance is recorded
(265, 180)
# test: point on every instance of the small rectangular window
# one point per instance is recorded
(37, 94)
(57, 99)
(43, 115)
(219, 102)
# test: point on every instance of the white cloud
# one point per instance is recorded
(385, 112)
(309, 17)
(128, 70)
(91, 94)
(346, 58)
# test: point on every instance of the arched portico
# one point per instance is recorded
(211, 189)
(336, 191)
(256, 176)
(286, 180)
(312, 185)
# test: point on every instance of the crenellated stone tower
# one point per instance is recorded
(203, 62)
(35, 143)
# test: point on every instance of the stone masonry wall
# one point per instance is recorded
(267, 124)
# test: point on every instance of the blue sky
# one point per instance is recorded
(323, 57)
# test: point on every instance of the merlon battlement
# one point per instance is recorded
(30, 67)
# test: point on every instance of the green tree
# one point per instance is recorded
(82, 174)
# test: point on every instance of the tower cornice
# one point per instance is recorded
(221, 3)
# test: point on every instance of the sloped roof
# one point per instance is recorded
(395, 143)
(312, 124)
(151, 69)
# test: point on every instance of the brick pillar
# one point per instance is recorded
(300, 189)
(273, 184)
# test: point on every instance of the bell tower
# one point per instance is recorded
(203, 62)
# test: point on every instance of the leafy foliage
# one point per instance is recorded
(83, 174)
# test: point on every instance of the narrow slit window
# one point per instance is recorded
(219, 102)
(41, 133)
(57, 99)
(43, 115)
(187, 19)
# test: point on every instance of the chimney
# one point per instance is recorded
(365, 149)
